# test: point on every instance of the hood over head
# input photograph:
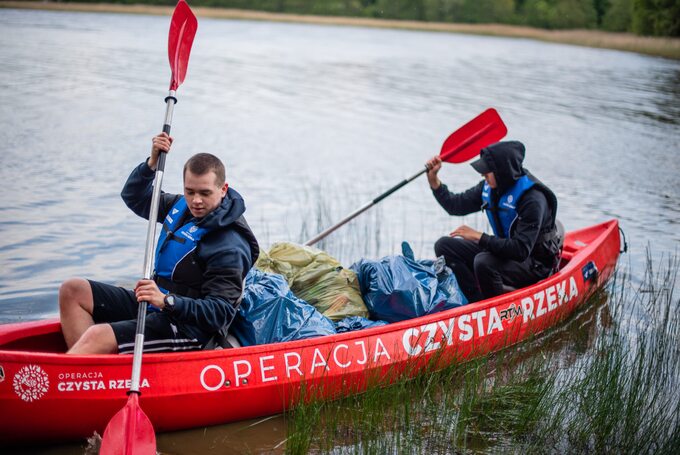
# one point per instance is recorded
(505, 160)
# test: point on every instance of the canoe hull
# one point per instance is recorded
(46, 395)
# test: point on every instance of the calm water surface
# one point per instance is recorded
(312, 122)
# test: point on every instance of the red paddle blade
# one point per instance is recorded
(182, 31)
(129, 432)
(467, 141)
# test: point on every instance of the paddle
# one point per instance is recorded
(463, 144)
(130, 431)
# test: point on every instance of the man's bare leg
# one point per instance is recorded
(98, 339)
(75, 309)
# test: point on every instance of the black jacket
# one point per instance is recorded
(531, 234)
(218, 266)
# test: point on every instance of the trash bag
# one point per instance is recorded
(396, 288)
(270, 313)
(353, 323)
(317, 278)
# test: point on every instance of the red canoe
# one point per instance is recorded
(46, 395)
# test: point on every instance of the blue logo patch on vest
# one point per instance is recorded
(507, 206)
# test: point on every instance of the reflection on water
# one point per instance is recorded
(267, 435)
(305, 117)
(669, 102)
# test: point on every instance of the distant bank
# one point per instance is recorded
(662, 47)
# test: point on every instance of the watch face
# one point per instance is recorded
(170, 301)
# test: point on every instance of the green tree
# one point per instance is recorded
(559, 14)
(644, 17)
(601, 7)
(618, 17)
(486, 11)
(656, 17)
(401, 9)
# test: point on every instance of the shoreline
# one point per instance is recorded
(653, 46)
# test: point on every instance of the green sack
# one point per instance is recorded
(317, 278)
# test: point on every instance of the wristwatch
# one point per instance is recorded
(169, 301)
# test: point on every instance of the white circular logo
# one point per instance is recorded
(31, 383)
(510, 199)
(193, 229)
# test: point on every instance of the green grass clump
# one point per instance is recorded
(622, 397)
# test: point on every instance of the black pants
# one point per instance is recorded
(118, 307)
(481, 274)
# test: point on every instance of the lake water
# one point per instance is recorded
(312, 122)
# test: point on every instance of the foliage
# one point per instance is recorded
(656, 17)
(559, 14)
(644, 17)
(618, 17)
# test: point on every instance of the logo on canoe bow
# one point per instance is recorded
(31, 383)
(510, 312)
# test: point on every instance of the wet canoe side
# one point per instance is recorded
(46, 395)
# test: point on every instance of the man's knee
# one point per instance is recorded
(74, 292)
(446, 246)
(98, 339)
(485, 264)
(439, 247)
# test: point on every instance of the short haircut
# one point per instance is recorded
(203, 163)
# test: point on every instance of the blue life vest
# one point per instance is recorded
(176, 242)
(506, 212)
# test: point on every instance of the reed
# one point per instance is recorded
(622, 396)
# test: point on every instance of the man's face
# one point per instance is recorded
(490, 179)
(202, 193)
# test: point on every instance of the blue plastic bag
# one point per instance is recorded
(396, 288)
(270, 313)
(352, 323)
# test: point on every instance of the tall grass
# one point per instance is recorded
(606, 381)
(623, 396)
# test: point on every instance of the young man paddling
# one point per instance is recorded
(525, 244)
(204, 252)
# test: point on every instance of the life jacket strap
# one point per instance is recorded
(176, 288)
(171, 235)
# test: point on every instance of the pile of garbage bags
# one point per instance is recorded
(297, 292)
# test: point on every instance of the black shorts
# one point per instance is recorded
(118, 307)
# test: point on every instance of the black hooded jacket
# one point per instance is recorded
(209, 283)
(533, 233)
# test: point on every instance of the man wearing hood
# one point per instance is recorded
(204, 252)
(525, 244)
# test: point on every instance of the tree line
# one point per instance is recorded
(643, 17)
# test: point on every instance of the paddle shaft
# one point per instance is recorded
(461, 145)
(365, 207)
(170, 101)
